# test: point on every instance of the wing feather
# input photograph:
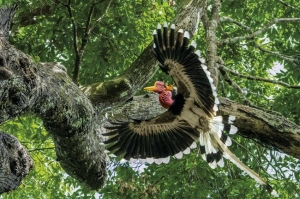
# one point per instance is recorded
(157, 138)
(184, 66)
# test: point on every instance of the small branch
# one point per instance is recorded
(285, 57)
(258, 78)
(41, 149)
(224, 19)
(258, 32)
(106, 10)
(75, 42)
(288, 5)
(88, 28)
(236, 87)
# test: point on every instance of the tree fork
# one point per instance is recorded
(46, 91)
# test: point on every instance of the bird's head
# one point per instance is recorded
(159, 87)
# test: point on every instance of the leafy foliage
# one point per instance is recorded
(44, 31)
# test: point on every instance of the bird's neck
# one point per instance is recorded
(165, 99)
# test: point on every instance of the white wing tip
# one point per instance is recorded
(178, 155)
(180, 30)
(159, 26)
(197, 52)
(213, 164)
(154, 32)
(194, 145)
(172, 26)
(166, 160)
(150, 160)
(186, 34)
(187, 151)
(158, 161)
(202, 60)
(165, 24)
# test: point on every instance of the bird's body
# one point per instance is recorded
(190, 116)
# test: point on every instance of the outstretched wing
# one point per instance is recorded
(154, 140)
(185, 67)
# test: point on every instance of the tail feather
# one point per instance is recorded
(230, 156)
(209, 149)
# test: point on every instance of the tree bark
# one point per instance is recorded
(15, 163)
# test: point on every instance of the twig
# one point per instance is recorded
(288, 5)
(223, 19)
(41, 149)
(75, 42)
(106, 10)
(241, 92)
(236, 87)
(258, 32)
(224, 68)
(285, 57)
(88, 28)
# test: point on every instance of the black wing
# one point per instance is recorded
(185, 67)
(154, 140)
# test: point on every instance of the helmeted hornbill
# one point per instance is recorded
(191, 114)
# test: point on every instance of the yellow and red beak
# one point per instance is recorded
(159, 87)
(150, 88)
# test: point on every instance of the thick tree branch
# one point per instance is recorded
(47, 91)
(272, 130)
(210, 28)
(258, 32)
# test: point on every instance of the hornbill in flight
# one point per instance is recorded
(190, 116)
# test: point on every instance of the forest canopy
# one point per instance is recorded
(257, 50)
